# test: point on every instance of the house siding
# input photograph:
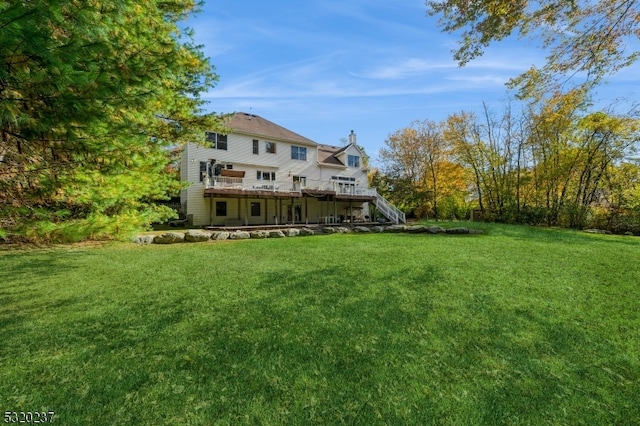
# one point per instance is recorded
(201, 209)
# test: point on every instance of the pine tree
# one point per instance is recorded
(92, 94)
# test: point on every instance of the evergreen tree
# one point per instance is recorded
(92, 94)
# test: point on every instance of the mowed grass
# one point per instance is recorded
(517, 326)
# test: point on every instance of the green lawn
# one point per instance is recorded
(517, 326)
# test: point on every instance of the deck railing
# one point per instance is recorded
(285, 186)
(390, 211)
(223, 182)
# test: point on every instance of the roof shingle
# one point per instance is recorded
(255, 125)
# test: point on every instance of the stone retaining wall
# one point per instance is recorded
(197, 235)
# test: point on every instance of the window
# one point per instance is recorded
(270, 147)
(255, 209)
(208, 168)
(203, 170)
(354, 161)
(343, 178)
(298, 153)
(217, 140)
(221, 208)
(266, 175)
(256, 146)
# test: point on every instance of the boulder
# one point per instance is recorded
(377, 229)
(597, 231)
(395, 228)
(220, 235)
(240, 235)
(416, 229)
(292, 232)
(197, 236)
(476, 231)
(169, 238)
(306, 231)
(436, 230)
(143, 239)
(258, 234)
(276, 234)
(361, 229)
(460, 230)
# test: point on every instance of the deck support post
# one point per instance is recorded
(246, 215)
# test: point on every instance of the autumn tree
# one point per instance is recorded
(620, 211)
(590, 38)
(403, 165)
(555, 164)
(490, 150)
(92, 94)
(417, 166)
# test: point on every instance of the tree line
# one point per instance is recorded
(95, 96)
(556, 163)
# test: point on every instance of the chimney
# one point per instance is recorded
(352, 138)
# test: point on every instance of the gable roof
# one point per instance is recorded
(327, 154)
(330, 155)
(254, 125)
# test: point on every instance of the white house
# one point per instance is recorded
(263, 174)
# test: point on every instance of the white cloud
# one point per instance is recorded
(402, 69)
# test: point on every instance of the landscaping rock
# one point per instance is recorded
(239, 235)
(143, 239)
(169, 238)
(361, 229)
(220, 235)
(292, 232)
(460, 230)
(436, 230)
(597, 231)
(416, 229)
(395, 228)
(197, 236)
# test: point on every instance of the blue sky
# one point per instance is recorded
(322, 68)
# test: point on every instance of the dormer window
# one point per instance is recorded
(217, 140)
(353, 161)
